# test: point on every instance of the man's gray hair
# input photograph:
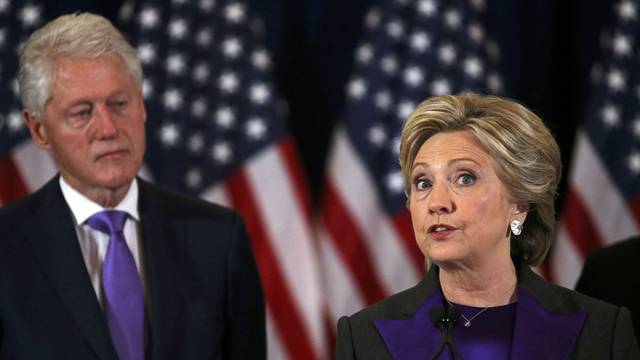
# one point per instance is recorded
(80, 36)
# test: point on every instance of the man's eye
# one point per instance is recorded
(466, 179)
(82, 113)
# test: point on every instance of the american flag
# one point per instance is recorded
(410, 51)
(23, 167)
(216, 130)
(602, 204)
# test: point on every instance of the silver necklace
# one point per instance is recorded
(467, 321)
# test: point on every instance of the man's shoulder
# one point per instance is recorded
(17, 209)
(622, 251)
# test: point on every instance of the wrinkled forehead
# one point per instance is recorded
(443, 148)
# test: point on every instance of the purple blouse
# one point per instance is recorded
(488, 337)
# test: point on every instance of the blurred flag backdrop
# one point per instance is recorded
(602, 204)
(410, 50)
(217, 130)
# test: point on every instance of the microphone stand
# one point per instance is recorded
(445, 321)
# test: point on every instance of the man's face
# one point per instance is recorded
(93, 123)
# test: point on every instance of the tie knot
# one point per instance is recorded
(108, 221)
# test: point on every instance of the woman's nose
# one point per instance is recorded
(439, 200)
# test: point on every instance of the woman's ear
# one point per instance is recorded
(521, 209)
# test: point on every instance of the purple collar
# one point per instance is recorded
(538, 332)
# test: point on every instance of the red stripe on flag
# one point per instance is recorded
(330, 333)
(579, 224)
(634, 205)
(12, 186)
(404, 227)
(350, 244)
(286, 316)
(289, 154)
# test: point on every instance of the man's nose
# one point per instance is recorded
(104, 122)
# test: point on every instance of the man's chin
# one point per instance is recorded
(115, 181)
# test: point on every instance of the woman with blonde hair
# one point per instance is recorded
(481, 174)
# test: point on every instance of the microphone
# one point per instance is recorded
(445, 320)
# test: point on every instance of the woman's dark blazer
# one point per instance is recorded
(551, 323)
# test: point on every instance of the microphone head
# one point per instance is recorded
(453, 315)
(437, 314)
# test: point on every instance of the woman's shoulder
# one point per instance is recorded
(557, 298)
(400, 304)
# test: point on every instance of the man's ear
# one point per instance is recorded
(36, 128)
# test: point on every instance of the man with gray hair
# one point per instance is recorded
(99, 264)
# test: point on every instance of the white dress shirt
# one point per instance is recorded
(94, 243)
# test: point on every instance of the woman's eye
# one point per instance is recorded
(422, 184)
(466, 179)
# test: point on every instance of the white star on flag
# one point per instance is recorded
(221, 152)
(611, 115)
(256, 128)
(196, 143)
(228, 82)
(357, 88)
(377, 135)
(235, 13)
(178, 29)
(149, 18)
(634, 163)
(225, 117)
(169, 135)
(146, 53)
(172, 99)
(30, 15)
(420, 41)
(232, 47)
(201, 73)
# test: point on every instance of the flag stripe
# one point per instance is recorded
(341, 286)
(288, 153)
(350, 245)
(580, 225)
(290, 236)
(566, 262)
(362, 202)
(599, 192)
(404, 227)
(287, 318)
(635, 208)
(12, 186)
(35, 164)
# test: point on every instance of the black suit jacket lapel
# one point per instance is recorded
(160, 234)
(547, 324)
(409, 333)
(55, 245)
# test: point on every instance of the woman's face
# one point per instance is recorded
(459, 207)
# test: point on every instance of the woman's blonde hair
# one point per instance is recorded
(526, 156)
(81, 35)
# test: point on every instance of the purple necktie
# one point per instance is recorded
(123, 294)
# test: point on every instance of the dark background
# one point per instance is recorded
(547, 50)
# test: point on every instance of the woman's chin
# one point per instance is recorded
(443, 256)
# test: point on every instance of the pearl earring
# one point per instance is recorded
(516, 227)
